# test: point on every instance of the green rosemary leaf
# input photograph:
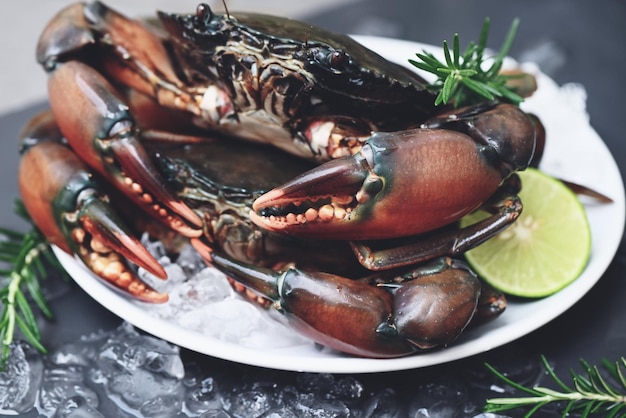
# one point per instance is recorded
(456, 48)
(594, 377)
(4, 319)
(14, 235)
(581, 383)
(446, 54)
(27, 314)
(550, 370)
(429, 61)
(569, 406)
(511, 382)
(604, 384)
(7, 258)
(478, 88)
(6, 350)
(510, 95)
(10, 246)
(36, 264)
(535, 409)
(470, 50)
(614, 410)
(28, 334)
(35, 292)
(482, 40)
(619, 374)
(501, 405)
(587, 411)
(508, 42)
(448, 88)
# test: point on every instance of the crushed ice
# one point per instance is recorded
(202, 300)
(125, 373)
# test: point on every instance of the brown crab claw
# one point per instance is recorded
(99, 220)
(101, 129)
(314, 203)
(398, 184)
(312, 302)
(140, 179)
(63, 200)
(104, 245)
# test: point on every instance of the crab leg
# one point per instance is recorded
(63, 200)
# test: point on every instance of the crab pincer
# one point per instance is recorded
(409, 183)
(426, 307)
(64, 201)
(100, 129)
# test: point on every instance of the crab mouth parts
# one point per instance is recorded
(318, 210)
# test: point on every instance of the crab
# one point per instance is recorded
(307, 168)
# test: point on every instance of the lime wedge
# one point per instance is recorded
(544, 250)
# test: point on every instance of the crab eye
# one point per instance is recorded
(204, 13)
(338, 59)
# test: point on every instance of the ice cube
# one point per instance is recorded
(141, 369)
(73, 354)
(127, 351)
(77, 407)
(441, 398)
(251, 403)
(202, 396)
(311, 406)
(165, 406)
(21, 379)
(154, 247)
(61, 383)
(207, 285)
(384, 404)
(190, 260)
(175, 276)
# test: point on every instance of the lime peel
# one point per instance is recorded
(546, 249)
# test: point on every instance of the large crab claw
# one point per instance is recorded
(428, 306)
(101, 130)
(393, 186)
(64, 201)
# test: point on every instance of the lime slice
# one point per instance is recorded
(544, 250)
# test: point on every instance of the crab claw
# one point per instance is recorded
(405, 183)
(425, 308)
(99, 127)
(399, 184)
(63, 201)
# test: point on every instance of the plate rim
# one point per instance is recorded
(468, 344)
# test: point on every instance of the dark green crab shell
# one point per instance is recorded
(346, 74)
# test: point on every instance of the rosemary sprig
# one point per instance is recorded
(590, 394)
(463, 78)
(24, 255)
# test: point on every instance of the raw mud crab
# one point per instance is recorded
(133, 105)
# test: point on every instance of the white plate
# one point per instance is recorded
(574, 152)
